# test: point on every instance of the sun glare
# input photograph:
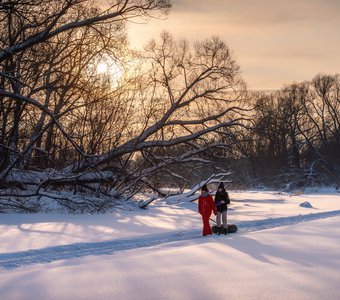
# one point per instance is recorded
(111, 69)
(102, 68)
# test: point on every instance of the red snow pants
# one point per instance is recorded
(206, 224)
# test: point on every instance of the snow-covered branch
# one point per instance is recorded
(192, 194)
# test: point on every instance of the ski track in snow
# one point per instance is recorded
(50, 254)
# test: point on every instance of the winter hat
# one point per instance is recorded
(221, 186)
(204, 188)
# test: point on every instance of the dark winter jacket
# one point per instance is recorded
(206, 204)
(221, 201)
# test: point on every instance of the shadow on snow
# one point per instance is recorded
(50, 254)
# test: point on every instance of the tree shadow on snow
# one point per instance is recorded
(264, 252)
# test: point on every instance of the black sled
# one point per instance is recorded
(232, 228)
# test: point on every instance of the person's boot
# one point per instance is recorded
(225, 231)
(219, 230)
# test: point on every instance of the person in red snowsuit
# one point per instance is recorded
(206, 206)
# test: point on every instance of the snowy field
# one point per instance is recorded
(282, 251)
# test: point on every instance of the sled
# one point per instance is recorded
(232, 228)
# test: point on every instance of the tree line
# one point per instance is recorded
(296, 137)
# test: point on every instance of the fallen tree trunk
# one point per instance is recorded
(191, 195)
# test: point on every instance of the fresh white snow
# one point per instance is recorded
(282, 251)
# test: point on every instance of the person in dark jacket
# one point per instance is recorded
(206, 206)
(221, 202)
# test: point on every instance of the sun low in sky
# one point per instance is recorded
(275, 42)
(110, 68)
(102, 68)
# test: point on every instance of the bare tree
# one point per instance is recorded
(48, 54)
(176, 103)
(188, 96)
(296, 132)
(39, 21)
(45, 52)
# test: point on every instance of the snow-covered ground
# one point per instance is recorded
(282, 251)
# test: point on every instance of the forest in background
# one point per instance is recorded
(170, 115)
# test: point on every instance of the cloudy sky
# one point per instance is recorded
(274, 41)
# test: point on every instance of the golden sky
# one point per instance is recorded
(275, 42)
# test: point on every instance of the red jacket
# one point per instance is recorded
(206, 204)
